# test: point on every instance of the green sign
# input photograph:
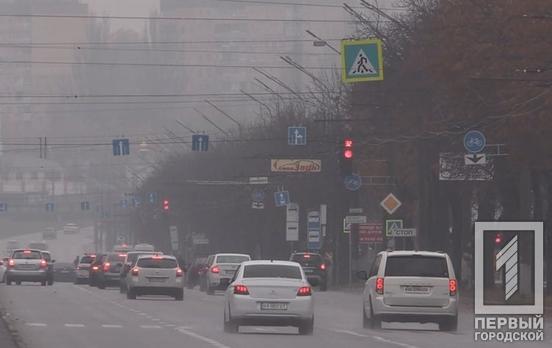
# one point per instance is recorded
(361, 60)
(391, 225)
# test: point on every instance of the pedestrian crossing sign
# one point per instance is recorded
(361, 60)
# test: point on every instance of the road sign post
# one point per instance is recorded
(361, 60)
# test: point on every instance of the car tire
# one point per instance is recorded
(101, 285)
(18, 282)
(43, 283)
(50, 282)
(375, 321)
(307, 328)
(121, 289)
(449, 324)
(179, 296)
(131, 294)
(230, 326)
(365, 321)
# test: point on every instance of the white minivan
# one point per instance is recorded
(410, 286)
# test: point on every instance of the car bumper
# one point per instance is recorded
(220, 283)
(246, 309)
(156, 290)
(413, 313)
(82, 274)
(27, 275)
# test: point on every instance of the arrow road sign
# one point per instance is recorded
(361, 60)
(121, 147)
(281, 198)
(475, 158)
(297, 135)
(152, 197)
(474, 141)
(200, 142)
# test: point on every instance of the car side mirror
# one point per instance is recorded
(53, 261)
(1, 263)
(362, 275)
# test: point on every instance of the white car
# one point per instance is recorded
(156, 275)
(3, 268)
(274, 293)
(221, 269)
(410, 286)
(82, 269)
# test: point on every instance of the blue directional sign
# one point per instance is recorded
(50, 207)
(124, 203)
(297, 135)
(361, 60)
(136, 201)
(474, 141)
(85, 205)
(353, 182)
(281, 198)
(313, 231)
(121, 147)
(152, 197)
(200, 142)
(3, 207)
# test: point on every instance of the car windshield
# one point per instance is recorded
(307, 260)
(416, 266)
(272, 271)
(27, 255)
(151, 262)
(231, 259)
(87, 259)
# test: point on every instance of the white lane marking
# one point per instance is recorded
(170, 325)
(378, 338)
(36, 324)
(211, 341)
(142, 314)
(112, 326)
(150, 326)
(155, 319)
(73, 325)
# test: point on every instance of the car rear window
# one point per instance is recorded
(416, 266)
(27, 255)
(307, 260)
(116, 258)
(151, 262)
(87, 259)
(232, 259)
(272, 271)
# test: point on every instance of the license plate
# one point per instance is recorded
(156, 280)
(308, 270)
(416, 289)
(273, 306)
(26, 267)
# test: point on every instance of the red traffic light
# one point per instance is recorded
(348, 143)
(498, 238)
(166, 205)
(348, 154)
(348, 148)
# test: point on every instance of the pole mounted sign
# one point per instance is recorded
(361, 60)
(474, 141)
(313, 230)
(297, 135)
(390, 203)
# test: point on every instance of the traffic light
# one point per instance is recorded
(498, 238)
(166, 206)
(346, 157)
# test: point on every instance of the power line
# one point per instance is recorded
(302, 4)
(203, 19)
(171, 95)
(186, 42)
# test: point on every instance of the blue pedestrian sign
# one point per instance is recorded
(200, 142)
(281, 198)
(152, 197)
(474, 141)
(353, 182)
(121, 147)
(361, 60)
(3, 207)
(297, 135)
(50, 207)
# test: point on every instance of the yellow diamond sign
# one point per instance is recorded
(390, 203)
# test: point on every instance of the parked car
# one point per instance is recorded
(64, 272)
(405, 286)
(274, 293)
(315, 268)
(221, 269)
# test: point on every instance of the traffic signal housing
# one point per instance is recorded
(346, 157)
(498, 238)
(166, 205)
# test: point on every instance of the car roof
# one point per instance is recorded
(231, 254)
(414, 252)
(271, 262)
(157, 256)
(23, 249)
(44, 251)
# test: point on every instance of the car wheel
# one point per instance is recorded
(375, 321)
(179, 296)
(121, 288)
(101, 285)
(43, 283)
(307, 327)
(230, 325)
(18, 282)
(365, 321)
(51, 282)
(131, 294)
(449, 324)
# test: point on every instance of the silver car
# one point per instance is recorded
(156, 275)
(273, 293)
(411, 286)
(27, 265)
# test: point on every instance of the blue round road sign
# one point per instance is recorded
(474, 141)
(258, 196)
(353, 182)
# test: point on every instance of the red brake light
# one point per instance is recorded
(43, 263)
(122, 255)
(241, 290)
(179, 272)
(215, 269)
(306, 256)
(323, 266)
(11, 263)
(379, 285)
(95, 268)
(106, 266)
(453, 287)
(26, 252)
(134, 272)
(304, 291)
(157, 257)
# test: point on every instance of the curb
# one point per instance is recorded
(7, 328)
